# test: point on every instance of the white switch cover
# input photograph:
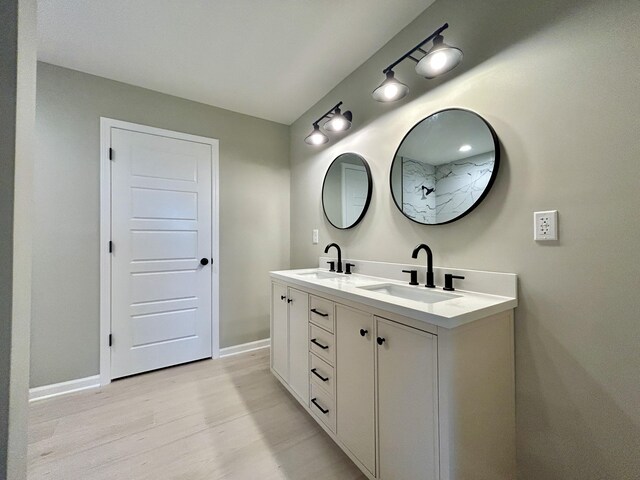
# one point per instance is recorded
(314, 236)
(545, 225)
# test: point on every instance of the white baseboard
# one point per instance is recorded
(245, 347)
(49, 391)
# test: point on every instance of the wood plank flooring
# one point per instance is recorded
(214, 419)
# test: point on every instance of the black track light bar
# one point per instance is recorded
(328, 114)
(417, 47)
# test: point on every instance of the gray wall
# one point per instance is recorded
(559, 83)
(254, 212)
(17, 104)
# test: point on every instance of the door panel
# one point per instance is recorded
(407, 403)
(279, 331)
(161, 228)
(299, 343)
(355, 387)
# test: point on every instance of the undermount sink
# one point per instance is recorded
(417, 294)
(318, 275)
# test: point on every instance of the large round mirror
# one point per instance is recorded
(346, 191)
(444, 167)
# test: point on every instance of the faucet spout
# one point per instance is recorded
(414, 254)
(326, 250)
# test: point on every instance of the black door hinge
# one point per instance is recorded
(110, 153)
(110, 339)
(110, 246)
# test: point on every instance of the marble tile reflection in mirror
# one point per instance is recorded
(444, 167)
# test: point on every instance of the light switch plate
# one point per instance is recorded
(545, 225)
(314, 236)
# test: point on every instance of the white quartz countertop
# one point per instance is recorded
(466, 307)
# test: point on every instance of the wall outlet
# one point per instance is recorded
(545, 225)
(314, 236)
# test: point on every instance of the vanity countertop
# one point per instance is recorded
(463, 308)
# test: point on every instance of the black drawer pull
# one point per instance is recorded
(313, 370)
(381, 340)
(363, 332)
(282, 297)
(313, 400)
(324, 347)
(313, 310)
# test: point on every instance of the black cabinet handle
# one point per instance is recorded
(314, 371)
(313, 400)
(204, 261)
(380, 340)
(363, 332)
(289, 300)
(282, 297)
(319, 313)
(324, 347)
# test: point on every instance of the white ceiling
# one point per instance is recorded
(269, 58)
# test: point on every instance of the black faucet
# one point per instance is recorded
(326, 250)
(425, 247)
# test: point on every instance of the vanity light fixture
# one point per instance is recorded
(441, 58)
(336, 122)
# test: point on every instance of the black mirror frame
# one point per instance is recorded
(369, 191)
(494, 173)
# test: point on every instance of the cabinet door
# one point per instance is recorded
(407, 403)
(355, 383)
(299, 343)
(279, 331)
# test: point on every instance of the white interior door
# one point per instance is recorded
(355, 187)
(161, 218)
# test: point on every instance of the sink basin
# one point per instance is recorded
(319, 275)
(424, 295)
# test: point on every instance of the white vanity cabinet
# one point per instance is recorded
(403, 398)
(355, 383)
(289, 337)
(407, 367)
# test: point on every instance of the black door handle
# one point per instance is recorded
(324, 347)
(380, 340)
(319, 313)
(204, 261)
(315, 372)
(363, 332)
(313, 400)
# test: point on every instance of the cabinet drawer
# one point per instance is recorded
(322, 375)
(322, 344)
(323, 407)
(321, 313)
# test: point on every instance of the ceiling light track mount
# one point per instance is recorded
(336, 122)
(440, 58)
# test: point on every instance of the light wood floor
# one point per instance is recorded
(215, 419)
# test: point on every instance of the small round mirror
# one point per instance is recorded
(346, 191)
(444, 167)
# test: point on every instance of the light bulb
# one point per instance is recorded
(438, 61)
(390, 91)
(464, 148)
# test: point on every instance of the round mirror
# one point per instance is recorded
(346, 191)
(444, 167)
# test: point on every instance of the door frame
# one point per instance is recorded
(106, 124)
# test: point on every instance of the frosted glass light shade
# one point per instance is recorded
(316, 137)
(338, 122)
(390, 90)
(442, 58)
